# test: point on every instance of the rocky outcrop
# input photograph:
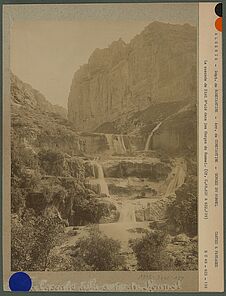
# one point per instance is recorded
(158, 65)
(154, 211)
(37, 123)
(22, 94)
(153, 170)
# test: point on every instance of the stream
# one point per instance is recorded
(128, 226)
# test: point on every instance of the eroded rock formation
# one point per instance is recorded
(158, 65)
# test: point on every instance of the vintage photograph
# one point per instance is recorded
(104, 140)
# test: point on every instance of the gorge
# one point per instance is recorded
(125, 158)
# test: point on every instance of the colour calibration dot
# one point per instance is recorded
(218, 9)
(20, 281)
(218, 24)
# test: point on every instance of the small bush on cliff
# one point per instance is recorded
(150, 251)
(98, 252)
(183, 211)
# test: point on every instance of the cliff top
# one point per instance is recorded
(154, 32)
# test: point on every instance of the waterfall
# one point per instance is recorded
(121, 139)
(177, 179)
(109, 139)
(150, 136)
(127, 214)
(99, 175)
(116, 143)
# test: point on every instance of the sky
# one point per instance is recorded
(48, 46)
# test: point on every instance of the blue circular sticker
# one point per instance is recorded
(20, 281)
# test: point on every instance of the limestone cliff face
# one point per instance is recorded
(158, 65)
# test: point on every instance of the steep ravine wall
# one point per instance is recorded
(158, 65)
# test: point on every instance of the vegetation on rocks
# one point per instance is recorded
(182, 212)
(47, 181)
(32, 239)
(150, 251)
(159, 251)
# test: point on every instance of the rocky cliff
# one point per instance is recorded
(37, 123)
(158, 65)
(23, 94)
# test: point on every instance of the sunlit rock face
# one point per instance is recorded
(158, 65)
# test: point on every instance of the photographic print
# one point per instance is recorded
(104, 111)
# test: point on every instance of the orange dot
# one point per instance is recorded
(218, 24)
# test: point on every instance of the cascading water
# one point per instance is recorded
(99, 175)
(177, 179)
(109, 139)
(116, 143)
(151, 135)
(147, 145)
(127, 214)
(122, 142)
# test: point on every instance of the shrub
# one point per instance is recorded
(186, 259)
(46, 232)
(98, 252)
(183, 211)
(32, 238)
(60, 262)
(87, 210)
(22, 242)
(150, 251)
